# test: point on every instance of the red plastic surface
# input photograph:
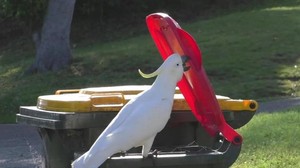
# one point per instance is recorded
(195, 86)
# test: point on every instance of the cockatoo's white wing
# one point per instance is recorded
(120, 117)
(139, 118)
(88, 159)
(143, 122)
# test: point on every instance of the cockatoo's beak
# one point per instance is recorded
(184, 61)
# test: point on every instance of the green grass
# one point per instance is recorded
(271, 141)
(252, 53)
(247, 54)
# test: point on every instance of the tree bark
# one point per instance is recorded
(53, 50)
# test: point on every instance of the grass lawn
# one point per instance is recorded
(271, 141)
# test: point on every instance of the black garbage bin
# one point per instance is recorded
(70, 121)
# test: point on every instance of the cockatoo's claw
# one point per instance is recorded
(123, 153)
(151, 156)
(119, 154)
(153, 153)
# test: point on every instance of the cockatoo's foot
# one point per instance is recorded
(119, 154)
(123, 153)
(151, 156)
(153, 153)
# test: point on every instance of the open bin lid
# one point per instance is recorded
(104, 99)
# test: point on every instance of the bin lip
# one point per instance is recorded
(113, 98)
(111, 89)
(66, 97)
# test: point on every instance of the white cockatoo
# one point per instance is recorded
(140, 119)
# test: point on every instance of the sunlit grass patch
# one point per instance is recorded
(271, 140)
(283, 8)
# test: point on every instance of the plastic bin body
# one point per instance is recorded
(182, 143)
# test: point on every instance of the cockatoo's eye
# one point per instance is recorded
(177, 64)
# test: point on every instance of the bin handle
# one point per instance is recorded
(58, 92)
(107, 101)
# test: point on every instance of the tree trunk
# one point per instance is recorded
(53, 50)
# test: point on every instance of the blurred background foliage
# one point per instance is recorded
(25, 17)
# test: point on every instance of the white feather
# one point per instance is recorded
(139, 120)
